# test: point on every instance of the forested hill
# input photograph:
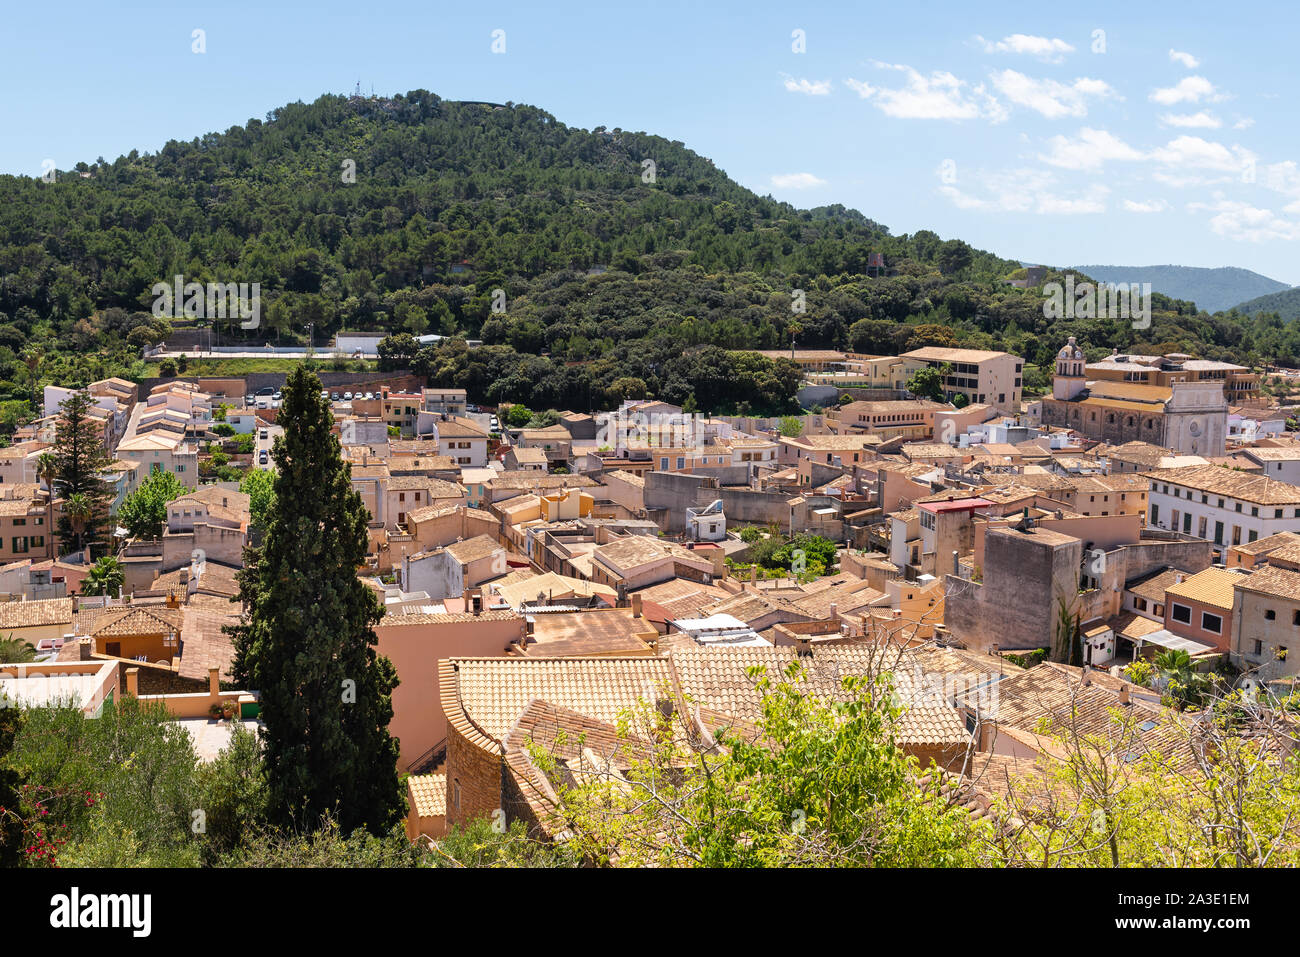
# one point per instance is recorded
(1286, 304)
(409, 214)
(1211, 289)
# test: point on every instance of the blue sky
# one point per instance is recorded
(1165, 139)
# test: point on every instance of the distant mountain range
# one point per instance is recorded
(1211, 289)
(1285, 303)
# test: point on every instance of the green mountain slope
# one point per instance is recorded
(589, 274)
(1213, 290)
(1286, 304)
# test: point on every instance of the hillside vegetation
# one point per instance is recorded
(586, 277)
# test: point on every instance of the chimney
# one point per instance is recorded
(636, 605)
(1086, 677)
(133, 682)
(1178, 578)
(1123, 694)
(753, 574)
(464, 597)
(85, 648)
(214, 682)
(993, 649)
(835, 611)
(956, 563)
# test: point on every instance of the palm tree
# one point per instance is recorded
(46, 468)
(16, 651)
(78, 508)
(104, 578)
(1175, 662)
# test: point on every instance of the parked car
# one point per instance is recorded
(267, 391)
(334, 397)
(264, 434)
(262, 458)
(347, 396)
(369, 395)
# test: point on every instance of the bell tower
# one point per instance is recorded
(1069, 379)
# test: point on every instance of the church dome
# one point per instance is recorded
(1070, 350)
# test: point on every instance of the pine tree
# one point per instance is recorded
(79, 459)
(307, 644)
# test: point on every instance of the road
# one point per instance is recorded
(261, 444)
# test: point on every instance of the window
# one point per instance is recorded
(1211, 623)
(1180, 613)
(1259, 647)
(1270, 614)
(455, 793)
(1218, 533)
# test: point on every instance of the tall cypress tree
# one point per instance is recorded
(307, 644)
(79, 461)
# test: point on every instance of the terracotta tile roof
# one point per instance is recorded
(635, 551)
(437, 488)
(1271, 580)
(630, 478)
(535, 480)
(29, 614)
(455, 428)
(943, 354)
(718, 678)
(835, 443)
(594, 632)
(1247, 487)
(122, 622)
(472, 549)
(204, 643)
(1131, 625)
(529, 455)
(1213, 586)
(493, 692)
(428, 793)
(1268, 544)
(1152, 585)
(444, 618)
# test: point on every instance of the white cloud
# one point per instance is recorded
(806, 86)
(1090, 150)
(1245, 123)
(1093, 202)
(1049, 97)
(1186, 59)
(1200, 120)
(1145, 206)
(1245, 223)
(1026, 191)
(1049, 49)
(1283, 177)
(1192, 152)
(1190, 89)
(796, 181)
(938, 96)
